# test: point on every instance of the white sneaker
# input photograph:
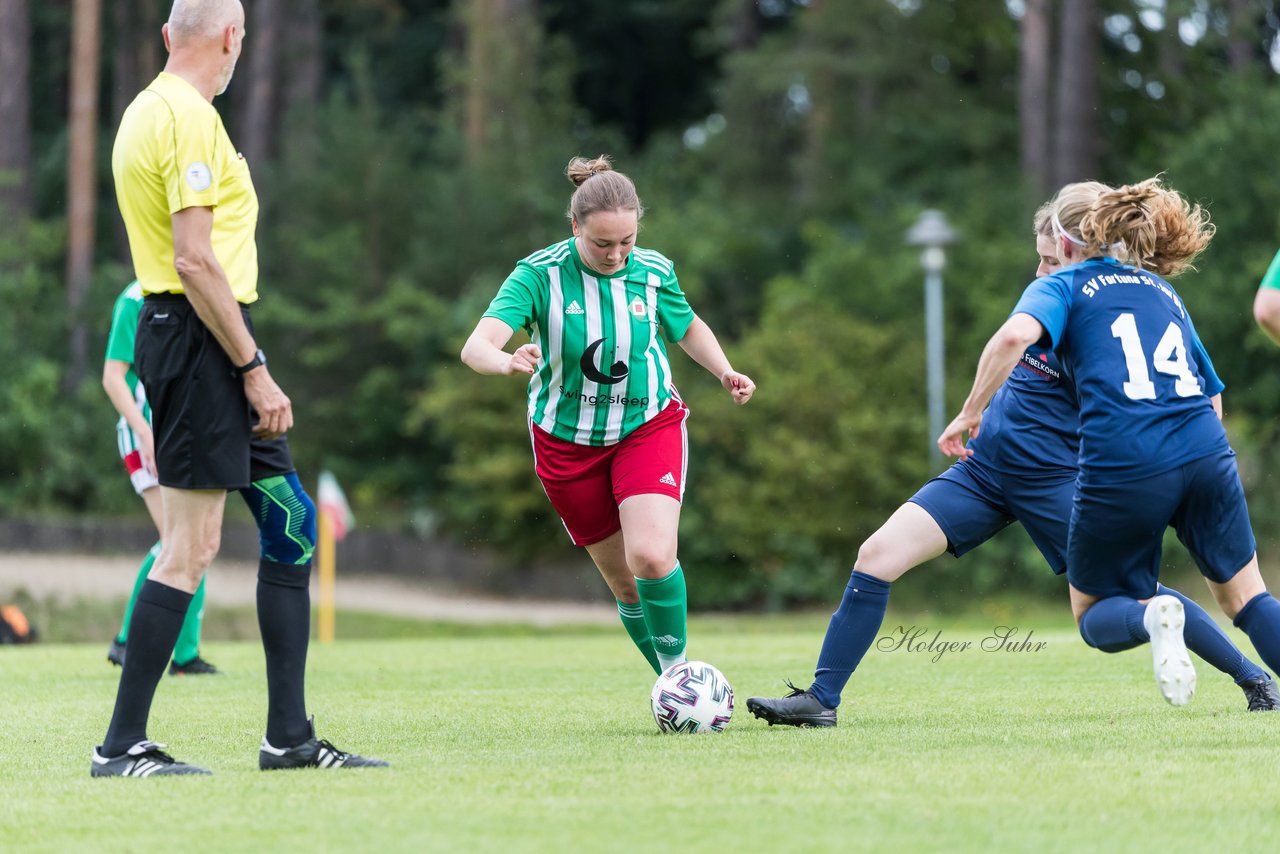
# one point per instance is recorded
(1164, 619)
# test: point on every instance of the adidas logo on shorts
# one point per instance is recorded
(574, 308)
(668, 480)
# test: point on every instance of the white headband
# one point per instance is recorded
(1057, 225)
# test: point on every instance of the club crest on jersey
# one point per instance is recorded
(616, 374)
(637, 308)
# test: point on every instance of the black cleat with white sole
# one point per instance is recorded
(312, 753)
(799, 708)
(1261, 694)
(144, 759)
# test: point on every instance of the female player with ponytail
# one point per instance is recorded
(605, 420)
(1154, 452)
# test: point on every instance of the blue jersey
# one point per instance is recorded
(1032, 425)
(1141, 374)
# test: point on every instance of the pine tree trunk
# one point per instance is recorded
(15, 110)
(501, 39)
(1242, 35)
(86, 41)
(135, 61)
(746, 26)
(1075, 126)
(303, 57)
(257, 132)
(1033, 95)
(1171, 48)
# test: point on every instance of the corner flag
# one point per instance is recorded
(332, 501)
(335, 521)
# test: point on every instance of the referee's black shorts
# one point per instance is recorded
(200, 416)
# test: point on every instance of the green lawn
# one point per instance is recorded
(545, 743)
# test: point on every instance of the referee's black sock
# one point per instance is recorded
(284, 619)
(153, 631)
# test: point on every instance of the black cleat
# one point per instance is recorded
(312, 753)
(144, 759)
(799, 708)
(115, 653)
(195, 667)
(1261, 694)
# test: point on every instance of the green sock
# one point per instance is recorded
(665, 611)
(188, 645)
(137, 586)
(633, 621)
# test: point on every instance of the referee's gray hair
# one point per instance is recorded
(201, 18)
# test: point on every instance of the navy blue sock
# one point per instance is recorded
(1114, 624)
(1260, 620)
(849, 635)
(153, 631)
(284, 619)
(1207, 640)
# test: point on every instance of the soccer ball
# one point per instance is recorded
(692, 697)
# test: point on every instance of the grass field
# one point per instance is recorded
(511, 742)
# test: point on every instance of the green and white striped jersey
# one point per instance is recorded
(604, 369)
(124, 329)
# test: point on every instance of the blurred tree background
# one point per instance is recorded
(408, 152)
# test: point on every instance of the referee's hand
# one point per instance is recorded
(275, 411)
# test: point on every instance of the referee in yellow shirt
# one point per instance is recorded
(219, 419)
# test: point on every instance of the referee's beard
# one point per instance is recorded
(230, 72)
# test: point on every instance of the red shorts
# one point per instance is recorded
(586, 483)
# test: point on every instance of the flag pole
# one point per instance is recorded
(326, 559)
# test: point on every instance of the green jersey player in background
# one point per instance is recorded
(606, 422)
(1266, 304)
(137, 451)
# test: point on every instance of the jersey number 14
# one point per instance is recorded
(1170, 357)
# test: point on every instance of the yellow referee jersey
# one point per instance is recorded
(172, 153)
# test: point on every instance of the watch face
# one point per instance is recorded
(259, 358)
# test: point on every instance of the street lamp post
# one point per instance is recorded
(931, 232)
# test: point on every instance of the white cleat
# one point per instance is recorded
(1164, 619)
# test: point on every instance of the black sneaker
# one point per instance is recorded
(115, 653)
(144, 759)
(312, 753)
(799, 708)
(195, 667)
(1261, 694)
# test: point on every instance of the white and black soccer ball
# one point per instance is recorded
(692, 697)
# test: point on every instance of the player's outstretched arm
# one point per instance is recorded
(483, 351)
(998, 360)
(703, 347)
(1266, 310)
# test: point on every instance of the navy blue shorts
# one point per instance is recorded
(1117, 529)
(972, 503)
